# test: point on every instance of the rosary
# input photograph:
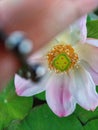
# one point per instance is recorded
(22, 47)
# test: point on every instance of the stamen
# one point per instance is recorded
(61, 58)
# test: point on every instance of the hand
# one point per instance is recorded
(41, 20)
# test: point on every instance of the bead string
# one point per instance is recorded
(22, 47)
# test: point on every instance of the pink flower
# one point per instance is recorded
(71, 71)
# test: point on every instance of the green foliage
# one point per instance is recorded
(92, 125)
(92, 29)
(85, 116)
(12, 107)
(41, 96)
(42, 118)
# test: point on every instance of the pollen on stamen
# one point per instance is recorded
(61, 58)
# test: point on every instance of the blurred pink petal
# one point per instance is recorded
(83, 89)
(58, 95)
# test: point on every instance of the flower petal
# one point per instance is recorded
(92, 72)
(94, 75)
(83, 88)
(40, 56)
(89, 54)
(77, 32)
(92, 41)
(37, 57)
(26, 87)
(58, 96)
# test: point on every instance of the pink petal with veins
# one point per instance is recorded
(59, 97)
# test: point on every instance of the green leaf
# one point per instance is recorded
(92, 17)
(92, 29)
(92, 125)
(42, 118)
(88, 18)
(12, 107)
(40, 96)
(84, 116)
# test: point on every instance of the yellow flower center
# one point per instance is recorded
(61, 58)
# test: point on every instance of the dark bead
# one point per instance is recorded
(37, 72)
(34, 72)
(25, 73)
